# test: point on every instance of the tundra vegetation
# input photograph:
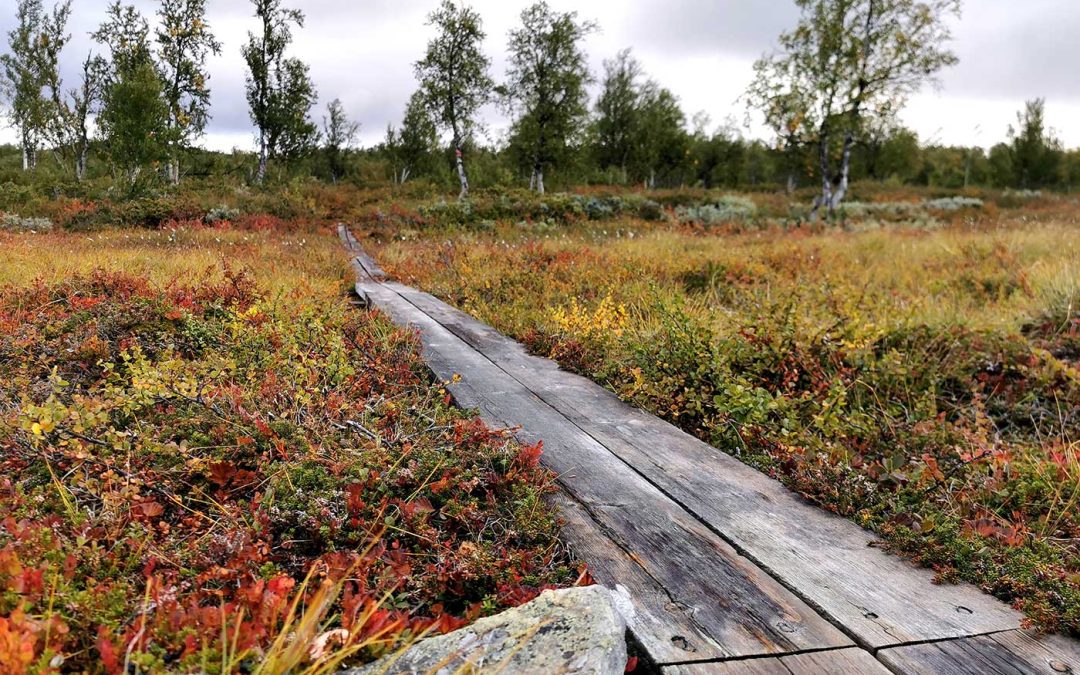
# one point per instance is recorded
(918, 374)
(211, 462)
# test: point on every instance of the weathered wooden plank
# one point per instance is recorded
(767, 666)
(736, 605)
(834, 662)
(364, 264)
(826, 559)
(1009, 653)
(666, 632)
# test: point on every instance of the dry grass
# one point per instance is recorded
(923, 382)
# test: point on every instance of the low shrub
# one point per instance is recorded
(727, 209)
(183, 466)
(13, 223)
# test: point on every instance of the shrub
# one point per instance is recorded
(220, 215)
(954, 203)
(727, 209)
(13, 223)
(177, 461)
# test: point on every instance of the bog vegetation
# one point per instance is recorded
(915, 371)
(220, 466)
(210, 462)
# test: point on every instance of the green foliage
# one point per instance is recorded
(134, 121)
(179, 459)
(925, 386)
(134, 117)
(1035, 153)
(280, 92)
(412, 148)
(546, 85)
(616, 126)
(340, 134)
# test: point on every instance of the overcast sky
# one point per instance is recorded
(362, 51)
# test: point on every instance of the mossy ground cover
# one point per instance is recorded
(209, 462)
(920, 380)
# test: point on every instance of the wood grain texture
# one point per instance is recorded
(836, 662)
(365, 265)
(699, 541)
(1009, 653)
(737, 609)
(826, 559)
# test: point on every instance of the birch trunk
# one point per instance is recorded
(80, 164)
(462, 177)
(538, 178)
(845, 174)
(825, 198)
(29, 155)
(260, 175)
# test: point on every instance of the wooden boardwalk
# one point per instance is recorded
(722, 569)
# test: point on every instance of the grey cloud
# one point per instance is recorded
(735, 27)
(362, 51)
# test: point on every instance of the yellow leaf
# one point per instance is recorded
(36, 428)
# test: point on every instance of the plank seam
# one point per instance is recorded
(760, 657)
(933, 641)
(740, 550)
(629, 554)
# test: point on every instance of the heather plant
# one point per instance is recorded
(920, 382)
(231, 470)
(727, 209)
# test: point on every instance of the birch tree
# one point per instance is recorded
(26, 69)
(1036, 151)
(546, 83)
(340, 135)
(639, 127)
(847, 64)
(412, 147)
(280, 92)
(69, 129)
(453, 76)
(661, 140)
(184, 42)
(134, 116)
(617, 112)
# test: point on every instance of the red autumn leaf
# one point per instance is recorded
(107, 651)
(151, 509)
(221, 473)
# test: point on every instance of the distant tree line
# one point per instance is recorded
(830, 93)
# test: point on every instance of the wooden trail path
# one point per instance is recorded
(722, 569)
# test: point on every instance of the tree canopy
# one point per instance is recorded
(546, 84)
(453, 76)
(847, 65)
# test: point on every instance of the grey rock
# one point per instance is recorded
(572, 631)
